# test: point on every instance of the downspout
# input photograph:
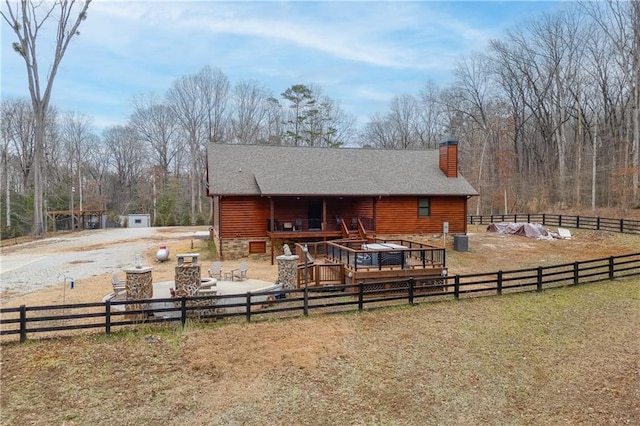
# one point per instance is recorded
(271, 228)
(220, 225)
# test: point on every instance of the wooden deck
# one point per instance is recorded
(351, 261)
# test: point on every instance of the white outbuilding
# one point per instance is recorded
(138, 221)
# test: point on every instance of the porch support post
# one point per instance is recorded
(271, 223)
(271, 213)
(375, 209)
(324, 213)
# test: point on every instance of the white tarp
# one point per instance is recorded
(531, 230)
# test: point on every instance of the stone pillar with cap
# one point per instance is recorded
(139, 286)
(288, 271)
(187, 277)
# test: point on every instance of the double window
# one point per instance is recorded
(424, 207)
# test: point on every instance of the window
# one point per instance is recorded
(138, 221)
(424, 208)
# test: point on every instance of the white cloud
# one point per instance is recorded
(361, 53)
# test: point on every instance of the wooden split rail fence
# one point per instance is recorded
(43, 320)
(597, 223)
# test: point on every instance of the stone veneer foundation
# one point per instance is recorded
(139, 286)
(236, 248)
(288, 271)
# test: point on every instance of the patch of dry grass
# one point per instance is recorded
(567, 356)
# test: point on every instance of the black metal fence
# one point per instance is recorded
(580, 222)
(25, 321)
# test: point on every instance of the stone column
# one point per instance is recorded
(139, 286)
(187, 279)
(287, 271)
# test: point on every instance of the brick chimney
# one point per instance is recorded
(449, 157)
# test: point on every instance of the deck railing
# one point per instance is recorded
(355, 255)
(296, 224)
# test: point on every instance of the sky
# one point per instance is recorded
(360, 53)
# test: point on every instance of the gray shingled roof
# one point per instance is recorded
(285, 170)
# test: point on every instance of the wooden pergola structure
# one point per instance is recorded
(83, 219)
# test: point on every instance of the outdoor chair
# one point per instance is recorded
(298, 225)
(216, 270)
(119, 287)
(239, 272)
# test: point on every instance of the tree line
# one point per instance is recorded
(547, 117)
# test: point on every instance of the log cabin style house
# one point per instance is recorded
(265, 196)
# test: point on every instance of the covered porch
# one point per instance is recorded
(320, 218)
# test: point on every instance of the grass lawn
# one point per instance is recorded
(565, 356)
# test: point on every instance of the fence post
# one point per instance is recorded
(598, 223)
(559, 220)
(544, 218)
(539, 281)
(360, 295)
(456, 286)
(306, 301)
(611, 269)
(576, 273)
(499, 283)
(107, 316)
(621, 225)
(578, 221)
(411, 284)
(183, 312)
(528, 217)
(23, 323)
(248, 314)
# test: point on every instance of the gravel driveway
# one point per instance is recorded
(34, 265)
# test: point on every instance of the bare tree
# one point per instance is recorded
(26, 19)
(620, 23)
(431, 126)
(18, 131)
(191, 112)
(128, 160)
(403, 113)
(274, 129)
(250, 112)
(77, 135)
(378, 133)
(214, 90)
(401, 127)
(156, 125)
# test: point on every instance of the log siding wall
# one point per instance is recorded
(400, 215)
(242, 217)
